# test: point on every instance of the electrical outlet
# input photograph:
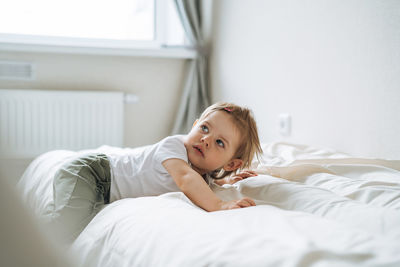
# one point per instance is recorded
(284, 124)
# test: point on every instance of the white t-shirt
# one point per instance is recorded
(140, 173)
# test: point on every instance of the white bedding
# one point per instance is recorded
(321, 208)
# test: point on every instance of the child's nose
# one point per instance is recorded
(206, 140)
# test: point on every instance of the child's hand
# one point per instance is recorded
(240, 176)
(237, 204)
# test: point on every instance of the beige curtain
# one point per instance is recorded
(195, 97)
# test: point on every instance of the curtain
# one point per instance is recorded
(195, 96)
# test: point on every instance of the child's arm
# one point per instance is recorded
(235, 178)
(197, 190)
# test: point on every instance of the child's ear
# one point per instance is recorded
(233, 164)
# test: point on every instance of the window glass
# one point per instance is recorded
(101, 19)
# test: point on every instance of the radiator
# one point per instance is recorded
(35, 121)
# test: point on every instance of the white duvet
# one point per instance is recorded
(314, 208)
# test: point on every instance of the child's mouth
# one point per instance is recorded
(198, 149)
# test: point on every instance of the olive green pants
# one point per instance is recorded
(81, 187)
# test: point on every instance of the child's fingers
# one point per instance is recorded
(246, 202)
(250, 172)
(242, 175)
(251, 201)
(253, 173)
(243, 204)
(246, 174)
(237, 178)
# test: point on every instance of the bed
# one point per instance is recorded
(315, 207)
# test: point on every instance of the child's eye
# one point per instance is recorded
(204, 128)
(220, 143)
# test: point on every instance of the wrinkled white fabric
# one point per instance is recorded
(315, 207)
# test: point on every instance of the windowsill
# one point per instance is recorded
(164, 52)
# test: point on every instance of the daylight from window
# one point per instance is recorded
(96, 19)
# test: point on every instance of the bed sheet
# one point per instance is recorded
(315, 207)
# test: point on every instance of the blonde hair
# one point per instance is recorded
(244, 120)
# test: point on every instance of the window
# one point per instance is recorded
(116, 24)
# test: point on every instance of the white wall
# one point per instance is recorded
(157, 81)
(333, 65)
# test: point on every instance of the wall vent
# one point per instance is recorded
(13, 70)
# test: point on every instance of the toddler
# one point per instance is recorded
(222, 141)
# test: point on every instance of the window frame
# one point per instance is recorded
(70, 45)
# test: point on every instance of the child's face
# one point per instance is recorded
(212, 143)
